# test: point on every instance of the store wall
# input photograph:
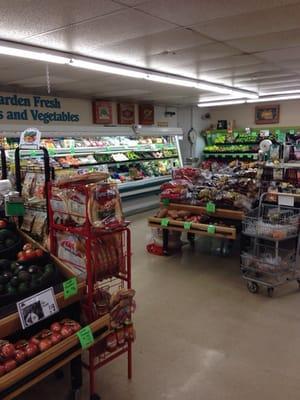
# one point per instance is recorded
(34, 110)
(244, 116)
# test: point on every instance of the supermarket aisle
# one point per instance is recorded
(200, 335)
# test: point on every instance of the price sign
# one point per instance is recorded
(85, 336)
(37, 307)
(30, 139)
(280, 136)
(72, 149)
(210, 207)
(166, 202)
(33, 153)
(187, 225)
(211, 229)
(292, 131)
(70, 288)
(164, 222)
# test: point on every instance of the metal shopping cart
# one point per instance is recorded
(271, 256)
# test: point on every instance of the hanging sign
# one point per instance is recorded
(30, 139)
(37, 307)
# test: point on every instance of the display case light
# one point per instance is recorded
(221, 103)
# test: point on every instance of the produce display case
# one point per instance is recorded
(139, 160)
(67, 351)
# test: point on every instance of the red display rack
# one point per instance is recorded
(112, 273)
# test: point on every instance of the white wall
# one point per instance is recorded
(244, 116)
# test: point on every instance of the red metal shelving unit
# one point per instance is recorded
(98, 271)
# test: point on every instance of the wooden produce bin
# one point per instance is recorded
(66, 351)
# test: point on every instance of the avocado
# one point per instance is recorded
(24, 276)
(33, 269)
(49, 268)
(6, 276)
(4, 264)
(9, 242)
(11, 290)
(6, 234)
(13, 266)
(23, 288)
(20, 268)
(14, 281)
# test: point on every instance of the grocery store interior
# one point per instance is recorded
(149, 199)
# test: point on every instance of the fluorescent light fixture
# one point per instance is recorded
(108, 68)
(45, 55)
(220, 98)
(171, 80)
(281, 93)
(221, 103)
(33, 55)
(275, 98)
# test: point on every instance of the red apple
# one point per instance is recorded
(20, 356)
(21, 344)
(9, 365)
(3, 224)
(35, 340)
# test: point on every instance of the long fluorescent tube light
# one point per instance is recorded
(33, 55)
(106, 67)
(283, 93)
(221, 103)
(275, 98)
(44, 55)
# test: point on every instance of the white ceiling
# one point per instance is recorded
(253, 44)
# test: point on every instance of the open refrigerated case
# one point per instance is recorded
(138, 158)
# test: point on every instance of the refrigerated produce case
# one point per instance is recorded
(139, 159)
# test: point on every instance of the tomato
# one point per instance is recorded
(3, 224)
(20, 254)
(45, 344)
(22, 258)
(2, 370)
(20, 356)
(39, 253)
(29, 254)
(8, 350)
(31, 350)
(56, 338)
(27, 246)
(66, 331)
(9, 365)
(55, 327)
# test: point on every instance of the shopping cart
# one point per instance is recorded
(271, 257)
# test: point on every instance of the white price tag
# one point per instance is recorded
(286, 200)
(37, 307)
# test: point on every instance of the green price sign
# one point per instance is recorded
(187, 225)
(166, 202)
(70, 288)
(72, 150)
(85, 336)
(210, 207)
(33, 153)
(211, 229)
(292, 131)
(164, 222)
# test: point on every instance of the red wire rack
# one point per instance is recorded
(109, 269)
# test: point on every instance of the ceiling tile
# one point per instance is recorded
(193, 11)
(139, 49)
(252, 24)
(19, 21)
(281, 55)
(269, 41)
(84, 38)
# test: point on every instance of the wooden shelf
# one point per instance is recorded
(38, 363)
(197, 229)
(10, 323)
(220, 212)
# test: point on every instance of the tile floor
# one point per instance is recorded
(200, 334)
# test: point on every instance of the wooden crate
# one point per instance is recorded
(37, 363)
(11, 322)
(197, 229)
(220, 212)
